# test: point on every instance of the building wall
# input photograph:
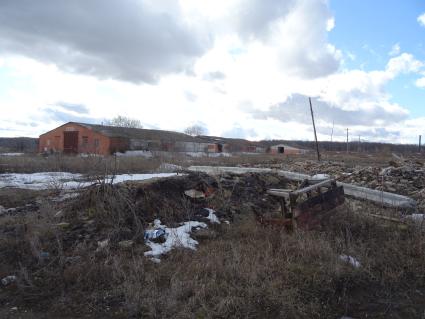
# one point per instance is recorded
(88, 140)
(287, 150)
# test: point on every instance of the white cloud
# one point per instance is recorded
(403, 63)
(395, 50)
(330, 24)
(243, 69)
(421, 19)
(420, 82)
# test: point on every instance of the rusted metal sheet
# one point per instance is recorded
(307, 206)
(309, 213)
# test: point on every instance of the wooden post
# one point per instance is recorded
(347, 140)
(420, 143)
(359, 150)
(314, 128)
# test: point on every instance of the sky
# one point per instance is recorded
(238, 68)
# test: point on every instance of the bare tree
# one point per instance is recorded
(195, 130)
(123, 121)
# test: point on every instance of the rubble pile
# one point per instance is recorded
(407, 178)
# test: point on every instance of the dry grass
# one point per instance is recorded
(243, 271)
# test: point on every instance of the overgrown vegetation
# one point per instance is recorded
(240, 270)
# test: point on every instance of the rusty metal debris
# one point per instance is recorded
(306, 206)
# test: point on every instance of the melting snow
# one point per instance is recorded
(212, 216)
(416, 217)
(319, 177)
(63, 180)
(12, 154)
(146, 154)
(175, 237)
(350, 260)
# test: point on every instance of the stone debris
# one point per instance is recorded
(126, 244)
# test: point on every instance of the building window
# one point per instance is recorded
(85, 140)
(96, 142)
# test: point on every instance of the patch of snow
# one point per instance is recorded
(350, 260)
(145, 154)
(319, 177)
(63, 180)
(196, 154)
(167, 167)
(44, 180)
(137, 177)
(175, 237)
(219, 155)
(212, 216)
(420, 218)
(12, 154)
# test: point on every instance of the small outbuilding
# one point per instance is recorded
(285, 149)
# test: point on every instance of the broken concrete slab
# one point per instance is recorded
(359, 192)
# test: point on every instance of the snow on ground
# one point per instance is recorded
(42, 180)
(12, 154)
(205, 154)
(175, 237)
(168, 167)
(350, 260)
(63, 180)
(319, 177)
(145, 154)
(420, 218)
(137, 177)
(212, 216)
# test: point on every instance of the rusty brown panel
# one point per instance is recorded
(310, 212)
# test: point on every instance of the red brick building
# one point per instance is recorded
(74, 138)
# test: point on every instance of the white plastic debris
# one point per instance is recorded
(175, 237)
(102, 244)
(154, 233)
(8, 280)
(350, 260)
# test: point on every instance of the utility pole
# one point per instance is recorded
(359, 144)
(420, 143)
(314, 128)
(347, 140)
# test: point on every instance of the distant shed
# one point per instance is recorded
(285, 149)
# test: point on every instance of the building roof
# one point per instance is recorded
(139, 133)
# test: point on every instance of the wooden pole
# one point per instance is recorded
(359, 144)
(347, 140)
(314, 128)
(420, 143)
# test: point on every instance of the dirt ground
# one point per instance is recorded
(84, 257)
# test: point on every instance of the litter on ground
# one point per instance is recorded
(175, 237)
